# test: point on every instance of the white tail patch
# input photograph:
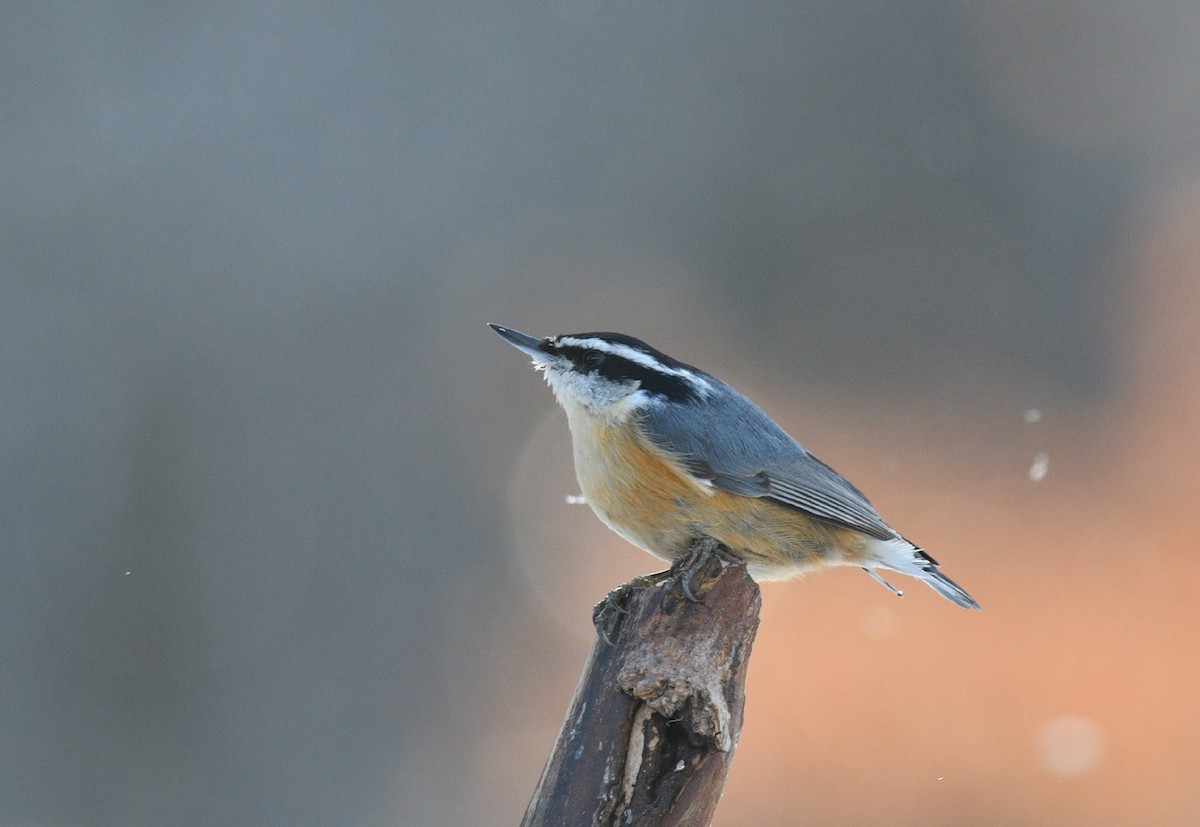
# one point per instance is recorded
(901, 556)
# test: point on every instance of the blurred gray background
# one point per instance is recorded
(258, 445)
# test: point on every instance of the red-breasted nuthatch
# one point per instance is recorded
(667, 454)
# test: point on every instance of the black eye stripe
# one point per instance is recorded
(572, 352)
(619, 369)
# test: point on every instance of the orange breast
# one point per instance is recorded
(648, 498)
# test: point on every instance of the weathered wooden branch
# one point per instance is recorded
(651, 731)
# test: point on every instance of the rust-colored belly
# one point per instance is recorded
(651, 501)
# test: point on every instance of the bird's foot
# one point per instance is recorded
(695, 561)
(606, 615)
(685, 573)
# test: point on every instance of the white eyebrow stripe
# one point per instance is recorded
(624, 351)
(635, 356)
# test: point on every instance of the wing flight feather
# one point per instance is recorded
(753, 457)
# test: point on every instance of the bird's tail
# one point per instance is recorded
(904, 557)
(947, 588)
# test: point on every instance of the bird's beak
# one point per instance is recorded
(522, 342)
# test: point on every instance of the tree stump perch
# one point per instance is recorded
(651, 730)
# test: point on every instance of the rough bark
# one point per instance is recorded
(652, 727)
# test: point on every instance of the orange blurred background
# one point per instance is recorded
(1068, 700)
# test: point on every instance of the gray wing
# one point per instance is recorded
(752, 456)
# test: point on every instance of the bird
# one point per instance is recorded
(667, 455)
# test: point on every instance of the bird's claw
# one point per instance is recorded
(683, 574)
(606, 614)
(694, 562)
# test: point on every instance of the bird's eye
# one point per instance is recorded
(592, 358)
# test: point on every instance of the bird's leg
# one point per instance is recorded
(695, 560)
(683, 573)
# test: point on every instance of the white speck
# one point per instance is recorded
(128, 573)
(1033, 415)
(941, 778)
(879, 623)
(679, 766)
(576, 499)
(1041, 464)
(1070, 745)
